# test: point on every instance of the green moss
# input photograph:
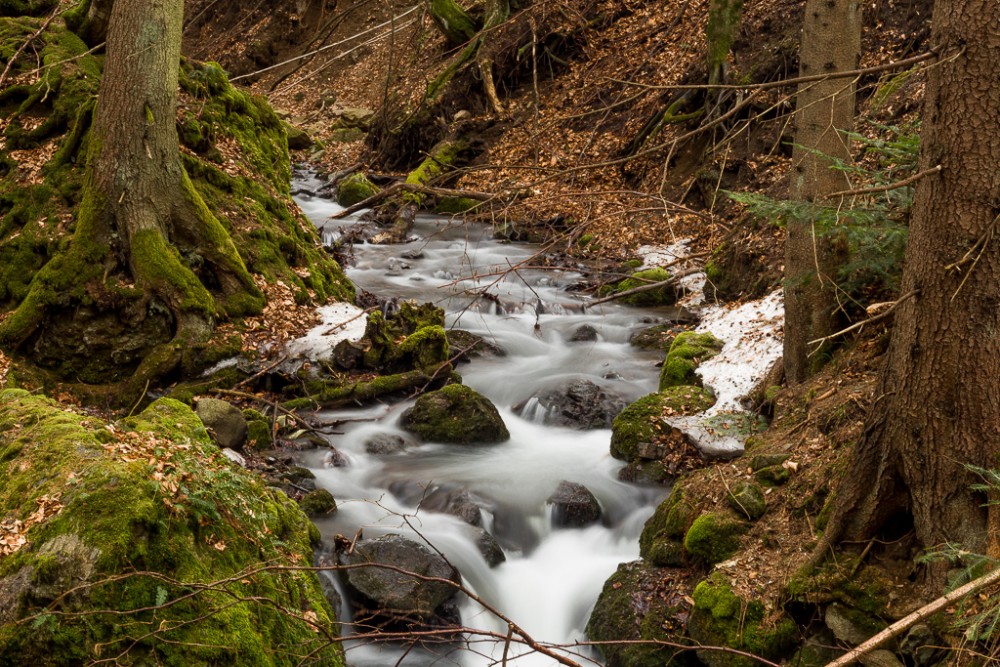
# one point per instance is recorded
(258, 430)
(747, 498)
(721, 618)
(441, 159)
(772, 476)
(665, 295)
(661, 542)
(687, 351)
(355, 189)
(335, 395)
(641, 422)
(455, 414)
(143, 518)
(865, 588)
(425, 349)
(720, 32)
(318, 503)
(714, 536)
(455, 205)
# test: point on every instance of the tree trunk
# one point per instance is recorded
(141, 226)
(938, 406)
(497, 11)
(453, 21)
(831, 42)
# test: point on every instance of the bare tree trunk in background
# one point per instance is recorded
(831, 42)
(938, 405)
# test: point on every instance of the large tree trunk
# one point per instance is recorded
(938, 406)
(831, 42)
(142, 231)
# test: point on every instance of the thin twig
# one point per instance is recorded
(875, 318)
(885, 188)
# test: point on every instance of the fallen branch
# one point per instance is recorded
(897, 628)
(885, 188)
(411, 187)
(857, 325)
(652, 286)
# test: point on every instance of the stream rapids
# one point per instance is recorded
(552, 576)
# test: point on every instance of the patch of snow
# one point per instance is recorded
(752, 333)
(660, 255)
(225, 363)
(341, 321)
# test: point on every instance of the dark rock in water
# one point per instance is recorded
(573, 506)
(348, 355)
(455, 415)
(584, 334)
(393, 592)
(467, 346)
(412, 253)
(658, 337)
(457, 502)
(580, 404)
(225, 423)
(335, 459)
(490, 549)
(383, 444)
(645, 472)
(632, 608)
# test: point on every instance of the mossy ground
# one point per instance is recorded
(149, 513)
(687, 351)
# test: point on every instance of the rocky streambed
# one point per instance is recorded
(514, 483)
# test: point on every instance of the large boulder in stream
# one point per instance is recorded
(579, 404)
(455, 415)
(389, 576)
(573, 506)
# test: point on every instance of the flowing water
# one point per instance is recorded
(551, 577)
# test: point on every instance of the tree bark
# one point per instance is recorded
(142, 231)
(938, 405)
(831, 42)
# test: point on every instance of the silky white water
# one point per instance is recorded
(551, 577)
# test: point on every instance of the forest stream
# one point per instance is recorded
(551, 576)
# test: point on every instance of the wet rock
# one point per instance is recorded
(658, 337)
(348, 355)
(573, 506)
(633, 606)
(392, 591)
(318, 503)
(225, 423)
(747, 499)
(384, 444)
(490, 549)
(645, 472)
(661, 542)
(335, 459)
(469, 346)
(584, 334)
(580, 404)
(457, 502)
(412, 253)
(455, 415)
(355, 189)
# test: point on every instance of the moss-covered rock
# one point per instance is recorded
(258, 430)
(136, 519)
(355, 189)
(747, 499)
(714, 536)
(639, 429)
(633, 606)
(665, 295)
(771, 476)
(687, 351)
(721, 618)
(455, 414)
(318, 503)
(659, 337)
(662, 539)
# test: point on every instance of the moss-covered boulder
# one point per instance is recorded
(639, 431)
(258, 430)
(455, 414)
(633, 606)
(662, 539)
(664, 295)
(135, 518)
(225, 423)
(318, 503)
(659, 337)
(747, 498)
(714, 536)
(721, 618)
(354, 189)
(687, 351)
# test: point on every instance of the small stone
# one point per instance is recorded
(574, 506)
(384, 444)
(226, 424)
(490, 549)
(335, 459)
(584, 334)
